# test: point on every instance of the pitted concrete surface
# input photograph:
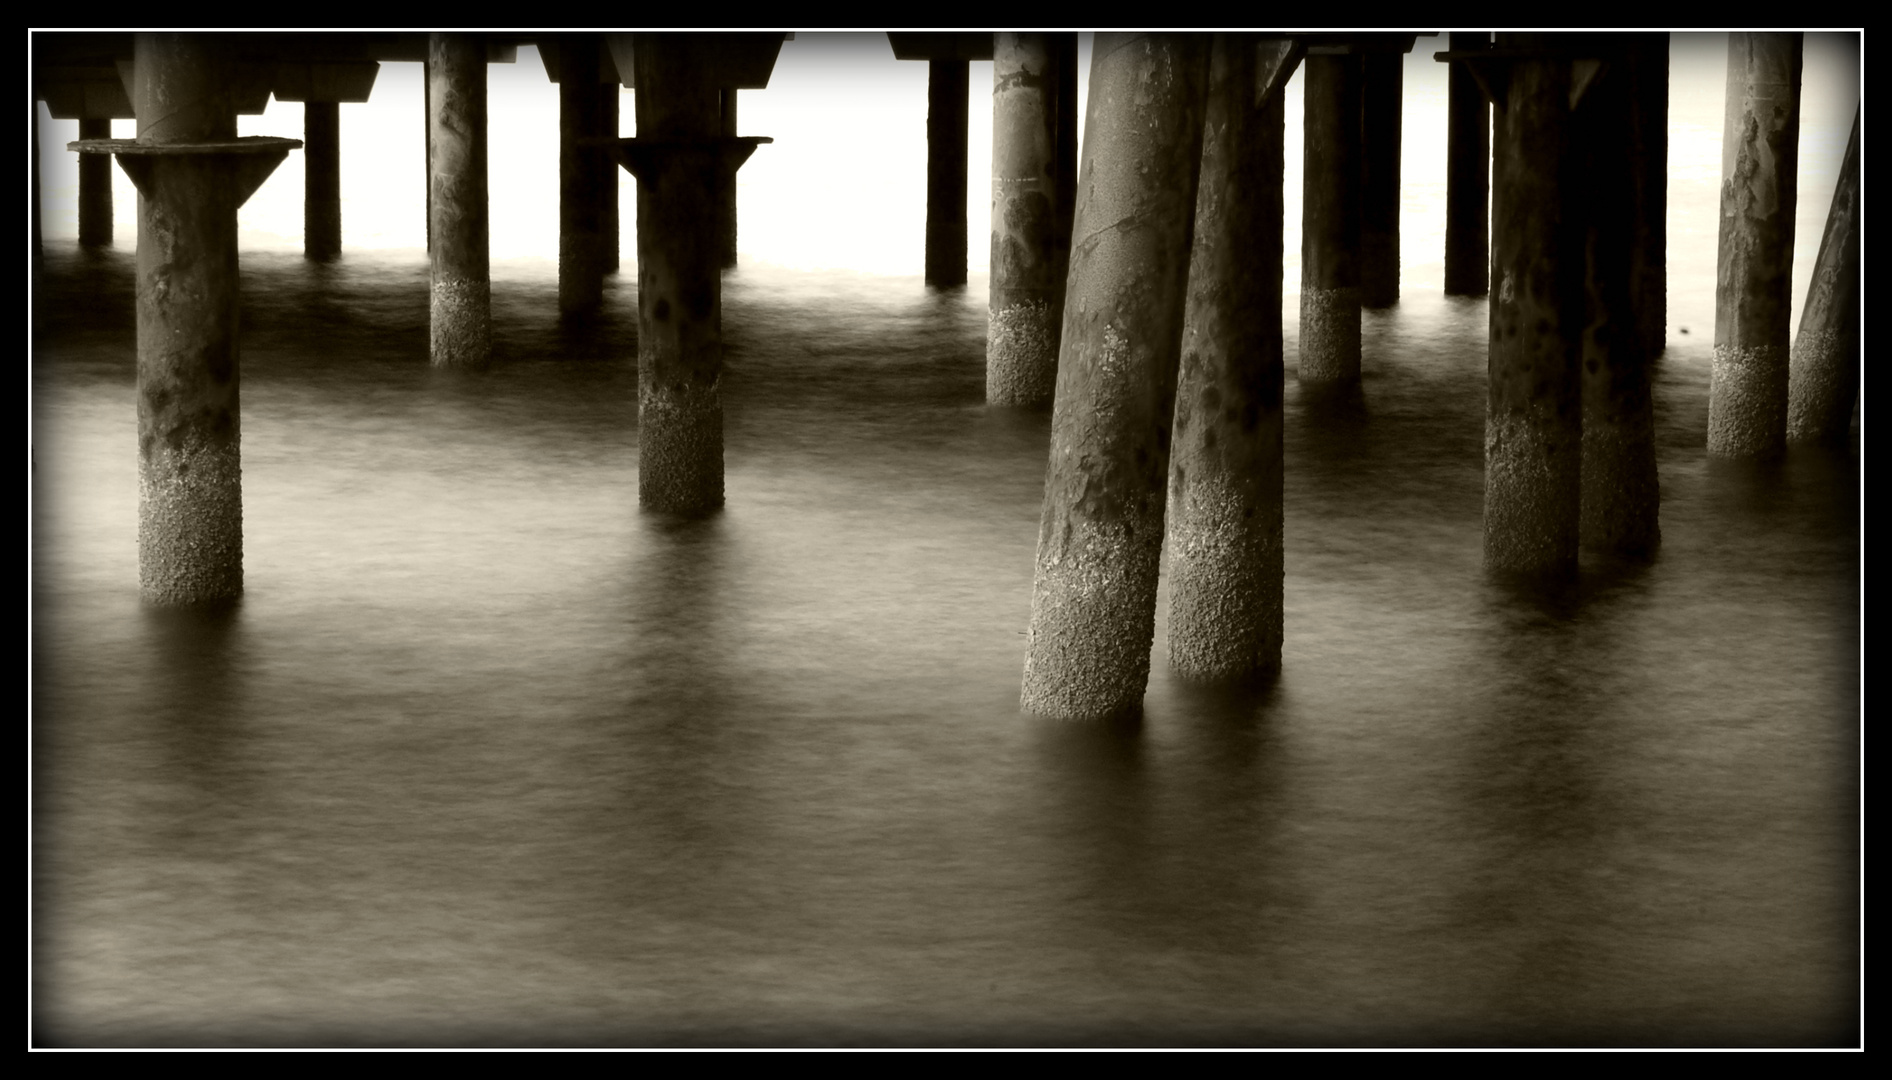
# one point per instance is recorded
(1747, 401)
(680, 448)
(190, 522)
(1531, 496)
(460, 327)
(1819, 393)
(1330, 334)
(1621, 494)
(1225, 581)
(1093, 617)
(1021, 356)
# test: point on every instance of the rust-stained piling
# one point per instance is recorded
(582, 177)
(1823, 380)
(1620, 493)
(1224, 516)
(1101, 533)
(192, 173)
(1467, 177)
(1030, 245)
(461, 319)
(946, 104)
(678, 157)
(95, 187)
(1330, 220)
(1534, 411)
(1747, 390)
(1381, 99)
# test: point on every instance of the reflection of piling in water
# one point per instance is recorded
(192, 174)
(1031, 216)
(1224, 514)
(1747, 396)
(1330, 214)
(461, 317)
(1620, 493)
(1823, 377)
(1101, 535)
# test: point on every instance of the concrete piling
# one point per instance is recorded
(1747, 392)
(946, 90)
(461, 316)
(610, 252)
(1330, 229)
(1823, 375)
(1030, 245)
(1225, 482)
(1534, 410)
(322, 172)
(192, 173)
(726, 184)
(1101, 532)
(1381, 101)
(1467, 177)
(1621, 497)
(1648, 147)
(678, 157)
(95, 188)
(581, 180)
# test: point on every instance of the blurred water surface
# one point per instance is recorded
(485, 755)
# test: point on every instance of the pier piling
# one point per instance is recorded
(1101, 532)
(1760, 154)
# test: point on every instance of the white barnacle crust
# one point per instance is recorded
(1225, 580)
(1330, 334)
(1747, 401)
(680, 447)
(1021, 355)
(460, 323)
(1531, 495)
(190, 521)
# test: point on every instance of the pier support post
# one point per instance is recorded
(679, 157)
(1747, 390)
(1030, 244)
(581, 179)
(1534, 408)
(323, 85)
(461, 331)
(1381, 99)
(1621, 497)
(1224, 516)
(1101, 533)
(1467, 177)
(946, 105)
(1330, 221)
(192, 173)
(1649, 148)
(95, 187)
(322, 171)
(1823, 380)
(726, 184)
(610, 254)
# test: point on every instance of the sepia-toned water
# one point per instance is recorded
(487, 756)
